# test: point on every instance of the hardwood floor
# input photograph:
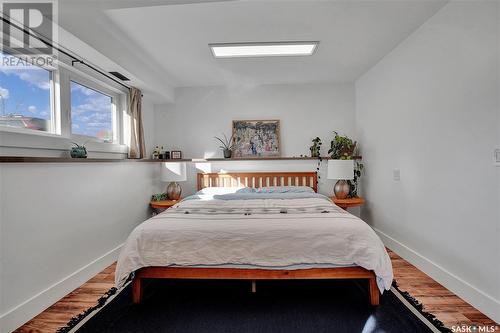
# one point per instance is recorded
(445, 305)
(72, 304)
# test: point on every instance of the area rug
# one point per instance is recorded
(181, 306)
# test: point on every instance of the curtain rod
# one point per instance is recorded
(74, 58)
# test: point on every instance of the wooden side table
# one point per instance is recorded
(349, 202)
(160, 206)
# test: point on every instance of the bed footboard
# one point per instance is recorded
(252, 275)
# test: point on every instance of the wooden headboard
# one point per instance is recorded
(258, 179)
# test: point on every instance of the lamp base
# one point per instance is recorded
(342, 189)
(174, 191)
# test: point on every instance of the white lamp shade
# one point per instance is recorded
(173, 172)
(341, 169)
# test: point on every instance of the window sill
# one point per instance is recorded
(47, 145)
(26, 131)
(30, 159)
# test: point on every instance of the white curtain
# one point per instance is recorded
(137, 148)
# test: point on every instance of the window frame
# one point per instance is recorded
(60, 137)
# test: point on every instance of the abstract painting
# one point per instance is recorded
(256, 138)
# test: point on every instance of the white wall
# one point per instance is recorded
(61, 224)
(148, 119)
(305, 111)
(430, 108)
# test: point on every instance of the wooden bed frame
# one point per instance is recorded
(255, 180)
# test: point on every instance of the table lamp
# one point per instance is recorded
(173, 172)
(342, 170)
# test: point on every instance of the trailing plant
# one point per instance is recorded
(316, 147)
(358, 171)
(320, 159)
(341, 147)
(316, 152)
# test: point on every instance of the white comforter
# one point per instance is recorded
(263, 233)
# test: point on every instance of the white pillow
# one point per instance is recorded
(223, 190)
(285, 189)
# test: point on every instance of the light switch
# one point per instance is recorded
(497, 155)
(396, 174)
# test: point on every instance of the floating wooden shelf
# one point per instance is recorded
(32, 159)
(160, 161)
(258, 159)
(265, 159)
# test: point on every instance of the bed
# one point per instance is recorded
(255, 226)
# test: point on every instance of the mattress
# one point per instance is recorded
(252, 230)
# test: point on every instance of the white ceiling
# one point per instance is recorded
(169, 43)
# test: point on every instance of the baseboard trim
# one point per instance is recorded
(23, 312)
(476, 297)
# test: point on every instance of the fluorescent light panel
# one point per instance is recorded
(268, 49)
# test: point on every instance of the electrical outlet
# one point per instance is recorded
(396, 174)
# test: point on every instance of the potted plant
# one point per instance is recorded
(78, 151)
(227, 145)
(358, 171)
(159, 197)
(341, 147)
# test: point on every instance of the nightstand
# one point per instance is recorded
(160, 206)
(349, 202)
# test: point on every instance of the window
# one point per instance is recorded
(26, 98)
(51, 107)
(91, 113)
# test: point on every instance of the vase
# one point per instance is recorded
(342, 189)
(174, 191)
(227, 153)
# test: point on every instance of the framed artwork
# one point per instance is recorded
(256, 138)
(176, 155)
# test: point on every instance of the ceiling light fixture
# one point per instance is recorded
(267, 49)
